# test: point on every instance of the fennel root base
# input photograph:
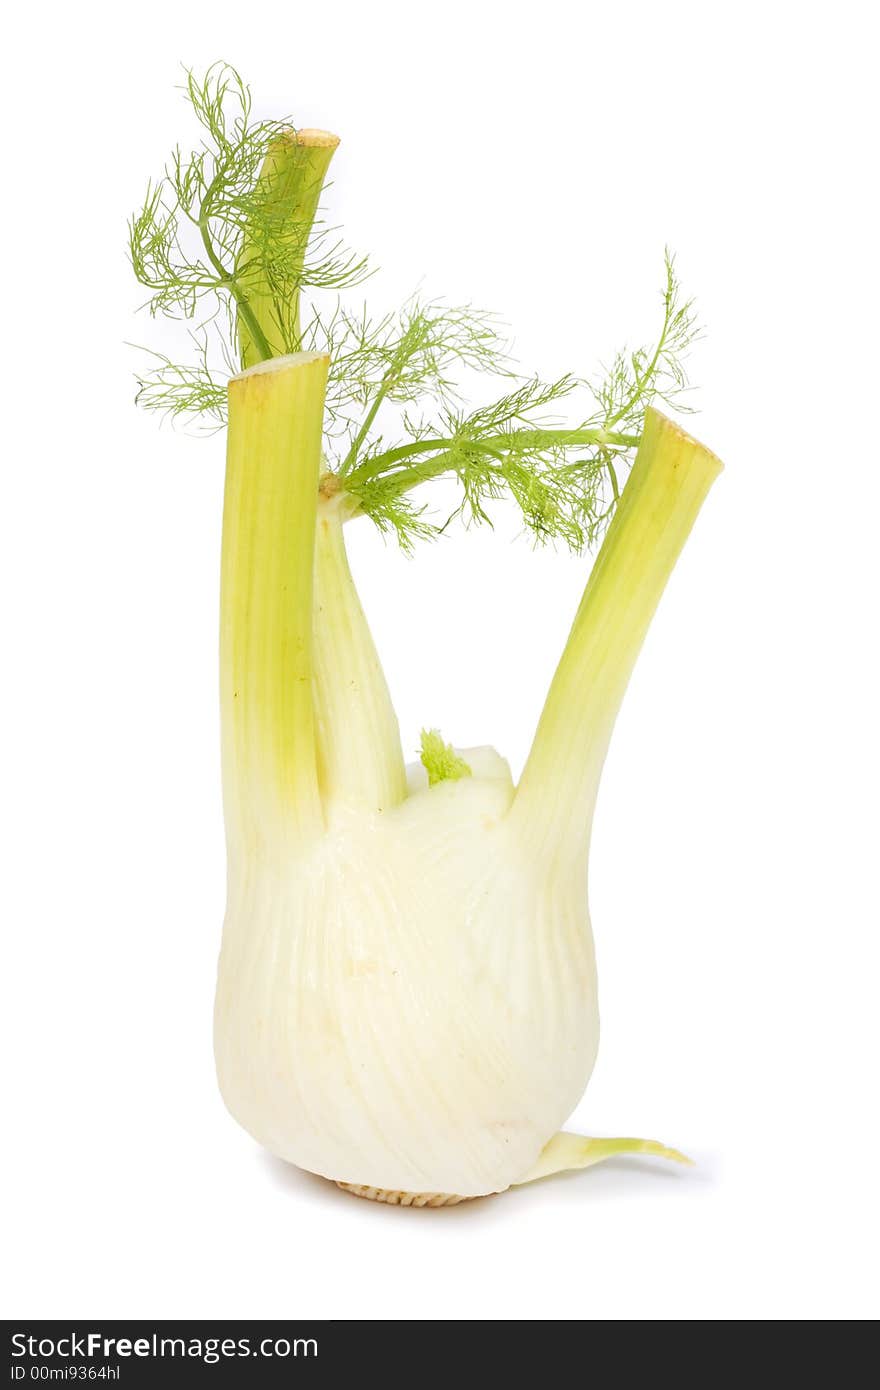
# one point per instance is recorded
(403, 1199)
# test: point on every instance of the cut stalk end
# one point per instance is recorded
(313, 139)
(279, 364)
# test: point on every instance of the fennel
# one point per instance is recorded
(406, 996)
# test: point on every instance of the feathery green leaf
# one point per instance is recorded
(229, 237)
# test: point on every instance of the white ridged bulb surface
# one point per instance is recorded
(411, 1005)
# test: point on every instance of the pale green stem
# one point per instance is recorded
(290, 181)
(360, 762)
(248, 323)
(669, 481)
(270, 777)
(442, 452)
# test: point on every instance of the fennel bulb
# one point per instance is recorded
(407, 990)
(406, 997)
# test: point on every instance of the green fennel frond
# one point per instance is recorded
(195, 392)
(230, 237)
(657, 373)
(217, 220)
(565, 479)
(188, 392)
(412, 358)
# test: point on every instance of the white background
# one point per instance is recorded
(534, 160)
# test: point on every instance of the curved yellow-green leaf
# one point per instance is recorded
(567, 1152)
